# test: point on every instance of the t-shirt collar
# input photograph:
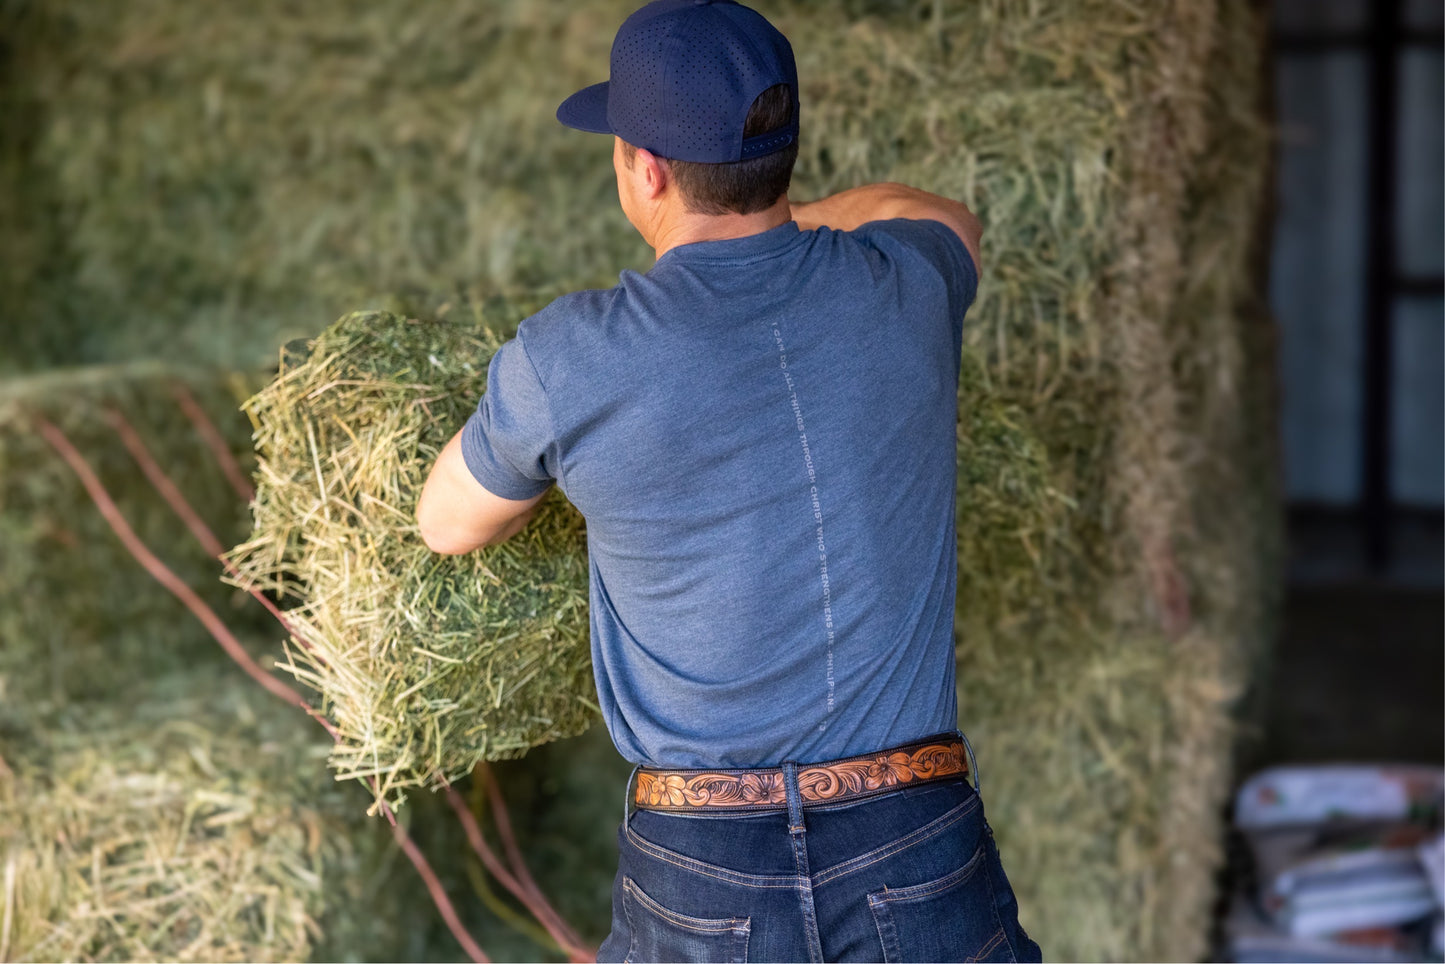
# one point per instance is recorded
(748, 248)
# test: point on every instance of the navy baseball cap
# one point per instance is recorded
(684, 75)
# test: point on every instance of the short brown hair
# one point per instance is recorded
(740, 187)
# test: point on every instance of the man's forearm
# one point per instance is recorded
(857, 206)
(455, 513)
(848, 209)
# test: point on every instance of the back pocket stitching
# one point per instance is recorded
(893, 894)
(880, 904)
(993, 942)
(913, 839)
(737, 925)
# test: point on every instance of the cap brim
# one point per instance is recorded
(586, 110)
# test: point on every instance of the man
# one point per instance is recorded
(760, 432)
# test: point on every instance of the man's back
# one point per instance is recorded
(760, 432)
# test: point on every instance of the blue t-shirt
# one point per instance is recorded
(760, 433)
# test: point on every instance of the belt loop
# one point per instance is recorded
(795, 798)
(627, 798)
(972, 764)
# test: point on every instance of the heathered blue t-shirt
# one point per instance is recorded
(760, 433)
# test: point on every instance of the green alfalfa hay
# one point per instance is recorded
(191, 819)
(1222, 348)
(79, 618)
(214, 180)
(426, 664)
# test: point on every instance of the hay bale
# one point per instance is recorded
(1221, 353)
(1223, 347)
(192, 820)
(78, 617)
(426, 664)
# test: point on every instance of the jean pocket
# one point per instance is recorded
(659, 934)
(953, 918)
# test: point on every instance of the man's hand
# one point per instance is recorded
(457, 514)
(849, 209)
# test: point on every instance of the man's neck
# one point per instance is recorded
(685, 227)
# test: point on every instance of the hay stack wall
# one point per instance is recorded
(233, 179)
(154, 802)
(214, 182)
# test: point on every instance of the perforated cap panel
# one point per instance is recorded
(684, 75)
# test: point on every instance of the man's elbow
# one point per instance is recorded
(445, 547)
(442, 538)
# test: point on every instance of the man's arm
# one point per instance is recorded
(457, 514)
(848, 209)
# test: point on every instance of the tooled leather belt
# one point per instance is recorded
(852, 778)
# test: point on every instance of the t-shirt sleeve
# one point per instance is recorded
(508, 443)
(943, 249)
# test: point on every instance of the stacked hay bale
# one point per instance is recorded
(1223, 348)
(193, 821)
(1221, 354)
(425, 664)
(79, 619)
(215, 181)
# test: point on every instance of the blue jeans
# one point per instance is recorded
(912, 875)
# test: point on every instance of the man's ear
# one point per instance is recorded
(654, 174)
